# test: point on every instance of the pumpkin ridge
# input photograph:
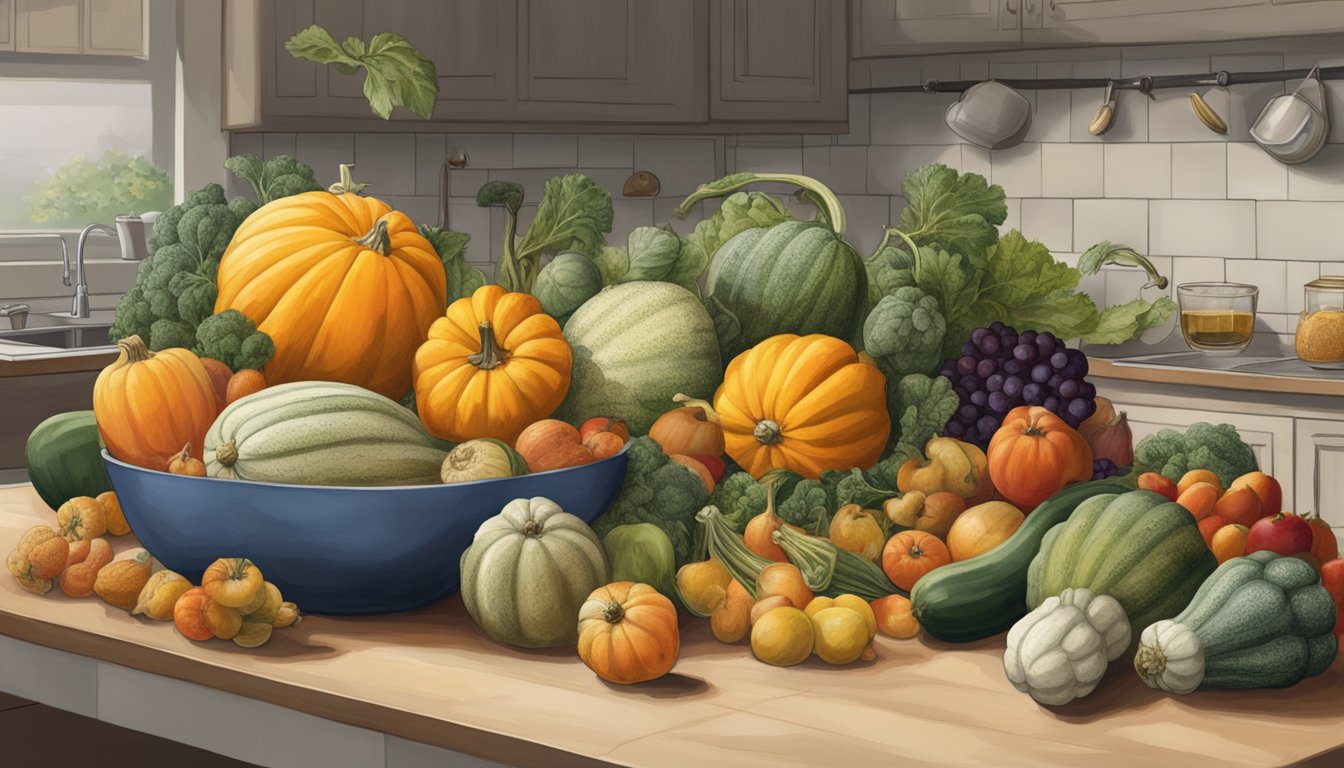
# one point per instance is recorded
(331, 303)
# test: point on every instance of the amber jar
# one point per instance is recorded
(1320, 330)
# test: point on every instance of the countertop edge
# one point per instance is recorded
(1249, 382)
(355, 712)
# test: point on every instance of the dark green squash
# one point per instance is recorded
(64, 458)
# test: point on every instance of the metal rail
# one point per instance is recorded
(1144, 84)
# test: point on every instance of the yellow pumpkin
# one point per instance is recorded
(345, 286)
(805, 403)
(492, 365)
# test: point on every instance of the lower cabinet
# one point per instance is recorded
(1320, 469)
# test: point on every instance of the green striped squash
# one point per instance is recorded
(1137, 547)
(64, 458)
(528, 570)
(795, 277)
(321, 433)
(565, 283)
(636, 345)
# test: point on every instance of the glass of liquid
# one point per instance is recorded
(1217, 318)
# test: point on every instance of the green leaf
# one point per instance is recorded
(1123, 322)
(395, 73)
(925, 404)
(956, 212)
(653, 253)
(316, 44)
(574, 214)
(726, 325)
(1026, 288)
(463, 279)
(612, 263)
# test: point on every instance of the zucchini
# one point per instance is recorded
(986, 594)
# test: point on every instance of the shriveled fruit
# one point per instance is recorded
(160, 594)
(233, 582)
(78, 580)
(896, 617)
(252, 633)
(287, 616)
(81, 518)
(783, 637)
(119, 582)
(841, 634)
(40, 554)
(189, 614)
(113, 516)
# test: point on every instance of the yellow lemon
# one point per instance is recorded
(818, 603)
(841, 634)
(861, 607)
(783, 637)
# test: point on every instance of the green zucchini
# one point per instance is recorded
(986, 594)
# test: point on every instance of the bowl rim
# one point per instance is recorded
(110, 459)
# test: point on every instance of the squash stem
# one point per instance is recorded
(613, 613)
(531, 528)
(767, 432)
(491, 355)
(377, 239)
(1150, 660)
(347, 185)
(692, 402)
(131, 350)
(227, 454)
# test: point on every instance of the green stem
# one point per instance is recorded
(819, 193)
(726, 546)
(510, 278)
(377, 239)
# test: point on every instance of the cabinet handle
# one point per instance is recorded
(1010, 6)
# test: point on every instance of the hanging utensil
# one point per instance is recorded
(990, 115)
(1292, 128)
(1101, 121)
(1211, 105)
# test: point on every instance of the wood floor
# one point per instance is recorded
(41, 737)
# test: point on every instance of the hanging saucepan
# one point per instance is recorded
(1292, 128)
(991, 115)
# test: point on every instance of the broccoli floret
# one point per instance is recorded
(506, 193)
(904, 333)
(809, 506)
(657, 491)
(739, 497)
(231, 338)
(167, 334)
(281, 176)
(1215, 447)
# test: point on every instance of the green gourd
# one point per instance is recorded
(566, 283)
(528, 570)
(1260, 621)
(643, 553)
(321, 433)
(64, 458)
(986, 594)
(1137, 547)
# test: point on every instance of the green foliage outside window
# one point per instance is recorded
(85, 191)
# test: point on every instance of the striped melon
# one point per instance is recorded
(636, 345)
(321, 433)
(795, 277)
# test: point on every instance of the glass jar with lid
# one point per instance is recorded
(1320, 330)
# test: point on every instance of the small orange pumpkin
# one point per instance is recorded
(492, 365)
(149, 404)
(910, 554)
(805, 403)
(628, 633)
(1034, 454)
(345, 286)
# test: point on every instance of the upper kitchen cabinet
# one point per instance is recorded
(587, 64)
(778, 60)
(909, 27)
(96, 27)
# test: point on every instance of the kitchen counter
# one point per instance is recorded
(430, 676)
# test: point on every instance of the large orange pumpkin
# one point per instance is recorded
(628, 633)
(492, 365)
(150, 404)
(344, 285)
(805, 403)
(1034, 454)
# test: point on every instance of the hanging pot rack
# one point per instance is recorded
(1144, 84)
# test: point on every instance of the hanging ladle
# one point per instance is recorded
(1101, 121)
(1209, 115)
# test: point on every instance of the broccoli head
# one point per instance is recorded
(657, 491)
(506, 193)
(1215, 447)
(739, 497)
(904, 332)
(809, 506)
(231, 338)
(280, 176)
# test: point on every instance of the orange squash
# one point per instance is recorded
(1034, 454)
(982, 528)
(149, 404)
(804, 403)
(910, 554)
(494, 364)
(345, 286)
(628, 633)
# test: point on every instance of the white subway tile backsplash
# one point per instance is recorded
(1270, 276)
(484, 150)
(1247, 103)
(430, 152)
(466, 183)
(1171, 117)
(1071, 170)
(769, 159)
(386, 162)
(860, 105)
(422, 209)
(1254, 175)
(1199, 171)
(1216, 228)
(542, 150)
(843, 169)
(769, 140)
(1128, 123)
(1301, 231)
(273, 144)
(1138, 170)
(911, 118)
(466, 216)
(940, 68)
(888, 166)
(866, 217)
(1013, 220)
(1017, 170)
(629, 214)
(974, 70)
(860, 74)
(1297, 275)
(1321, 178)
(888, 72)
(606, 151)
(325, 152)
(976, 160)
(1119, 221)
(1196, 270)
(680, 164)
(1053, 115)
(1050, 221)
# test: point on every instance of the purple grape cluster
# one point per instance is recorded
(1000, 369)
(1104, 468)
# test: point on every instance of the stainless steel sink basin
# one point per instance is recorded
(61, 331)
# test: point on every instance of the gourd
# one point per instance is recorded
(1260, 621)
(64, 458)
(321, 433)
(528, 571)
(628, 633)
(1137, 547)
(492, 365)
(1059, 651)
(565, 283)
(982, 528)
(344, 285)
(973, 599)
(642, 552)
(831, 571)
(149, 404)
(795, 277)
(484, 458)
(636, 346)
(804, 403)
(1034, 454)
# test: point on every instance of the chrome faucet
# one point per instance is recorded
(65, 253)
(80, 306)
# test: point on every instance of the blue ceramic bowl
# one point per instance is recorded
(340, 550)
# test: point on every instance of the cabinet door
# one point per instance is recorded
(47, 26)
(6, 25)
(1143, 21)
(905, 27)
(778, 60)
(1320, 470)
(635, 60)
(114, 27)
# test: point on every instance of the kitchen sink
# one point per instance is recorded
(61, 331)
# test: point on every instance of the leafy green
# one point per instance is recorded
(1103, 253)
(463, 279)
(904, 333)
(395, 73)
(281, 176)
(612, 262)
(828, 205)
(739, 497)
(1123, 322)
(231, 338)
(1026, 288)
(955, 212)
(856, 487)
(921, 405)
(810, 505)
(1215, 447)
(574, 215)
(652, 254)
(658, 491)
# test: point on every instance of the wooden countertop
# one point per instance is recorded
(432, 676)
(1250, 382)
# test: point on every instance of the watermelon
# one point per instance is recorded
(636, 345)
(65, 460)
